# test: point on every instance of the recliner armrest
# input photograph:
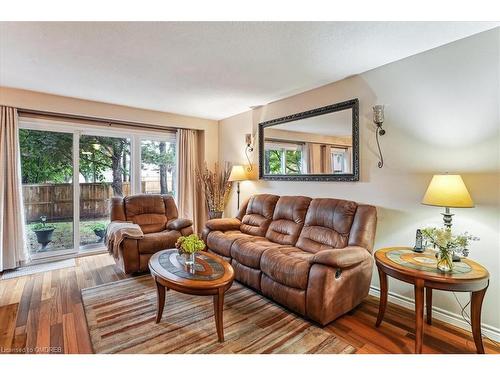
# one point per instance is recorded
(223, 224)
(341, 258)
(179, 223)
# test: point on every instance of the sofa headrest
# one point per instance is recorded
(150, 211)
(327, 225)
(262, 204)
(141, 204)
(260, 210)
(293, 208)
(288, 219)
(336, 214)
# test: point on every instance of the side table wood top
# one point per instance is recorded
(420, 269)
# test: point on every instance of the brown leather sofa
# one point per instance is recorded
(158, 218)
(311, 255)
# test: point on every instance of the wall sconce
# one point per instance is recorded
(249, 148)
(378, 119)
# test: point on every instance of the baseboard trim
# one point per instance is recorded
(438, 313)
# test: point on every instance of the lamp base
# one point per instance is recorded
(447, 217)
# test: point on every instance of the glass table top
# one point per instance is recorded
(206, 268)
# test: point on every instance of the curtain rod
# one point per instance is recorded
(100, 120)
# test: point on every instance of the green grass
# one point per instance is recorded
(62, 238)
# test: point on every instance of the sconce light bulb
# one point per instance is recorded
(378, 114)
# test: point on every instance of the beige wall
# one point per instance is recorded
(442, 114)
(61, 104)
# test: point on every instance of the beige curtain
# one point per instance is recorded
(314, 158)
(190, 199)
(13, 251)
(326, 159)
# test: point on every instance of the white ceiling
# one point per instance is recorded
(205, 69)
(338, 124)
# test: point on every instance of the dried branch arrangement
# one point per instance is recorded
(215, 185)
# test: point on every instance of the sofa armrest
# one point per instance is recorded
(179, 223)
(341, 258)
(223, 224)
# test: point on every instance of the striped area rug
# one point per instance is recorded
(121, 319)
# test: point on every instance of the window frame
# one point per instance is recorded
(78, 129)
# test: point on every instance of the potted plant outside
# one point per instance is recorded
(99, 230)
(43, 232)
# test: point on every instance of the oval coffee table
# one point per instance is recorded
(212, 277)
(420, 270)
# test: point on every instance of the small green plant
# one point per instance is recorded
(98, 226)
(42, 226)
(190, 244)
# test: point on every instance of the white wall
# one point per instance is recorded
(442, 115)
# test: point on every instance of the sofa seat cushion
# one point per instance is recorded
(287, 265)
(249, 253)
(220, 242)
(153, 242)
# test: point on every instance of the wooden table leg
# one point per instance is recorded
(419, 315)
(383, 296)
(476, 304)
(160, 292)
(428, 305)
(218, 310)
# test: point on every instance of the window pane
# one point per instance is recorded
(158, 167)
(104, 172)
(293, 161)
(274, 161)
(47, 178)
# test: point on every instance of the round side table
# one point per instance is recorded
(420, 269)
(213, 276)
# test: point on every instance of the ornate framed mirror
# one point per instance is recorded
(317, 145)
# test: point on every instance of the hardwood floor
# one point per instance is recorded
(44, 313)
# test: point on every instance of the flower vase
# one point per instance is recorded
(445, 260)
(190, 261)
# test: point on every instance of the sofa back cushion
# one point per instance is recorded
(327, 224)
(288, 220)
(146, 210)
(364, 227)
(260, 210)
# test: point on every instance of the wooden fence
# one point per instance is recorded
(56, 200)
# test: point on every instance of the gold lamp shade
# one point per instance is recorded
(447, 190)
(238, 173)
(243, 173)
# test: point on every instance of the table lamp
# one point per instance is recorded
(238, 174)
(448, 191)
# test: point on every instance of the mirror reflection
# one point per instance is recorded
(316, 145)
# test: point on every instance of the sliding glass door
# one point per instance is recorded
(70, 173)
(104, 172)
(158, 165)
(47, 185)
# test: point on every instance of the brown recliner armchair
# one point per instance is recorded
(311, 255)
(157, 216)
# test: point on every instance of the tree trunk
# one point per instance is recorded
(116, 166)
(163, 169)
(124, 165)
